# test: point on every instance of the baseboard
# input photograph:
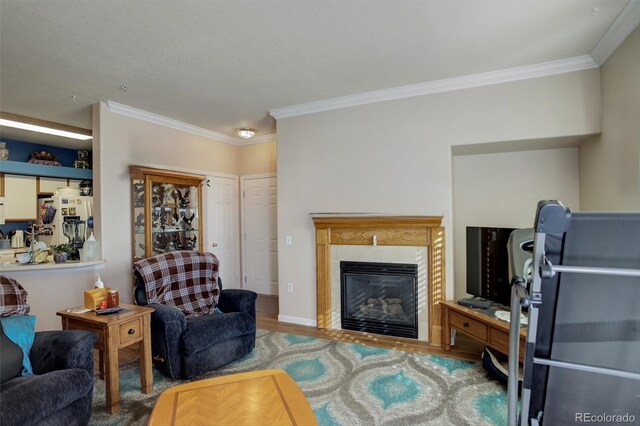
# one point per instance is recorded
(297, 320)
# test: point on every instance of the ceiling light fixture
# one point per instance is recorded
(246, 133)
(42, 129)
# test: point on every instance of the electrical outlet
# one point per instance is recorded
(290, 287)
(289, 242)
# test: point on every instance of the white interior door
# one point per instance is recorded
(260, 242)
(223, 223)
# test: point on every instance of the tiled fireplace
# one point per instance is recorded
(417, 242)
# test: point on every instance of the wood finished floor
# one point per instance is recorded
(465, 348)
(267, 319)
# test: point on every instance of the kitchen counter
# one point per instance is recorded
(69, 264)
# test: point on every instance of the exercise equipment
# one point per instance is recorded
(582, 361)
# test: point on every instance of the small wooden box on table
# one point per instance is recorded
(117, 331)
(486, 329)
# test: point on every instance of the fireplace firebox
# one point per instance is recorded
(380, 298)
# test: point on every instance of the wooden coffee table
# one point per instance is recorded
(117, 331)
(267, 397)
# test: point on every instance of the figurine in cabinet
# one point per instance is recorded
(181, 200)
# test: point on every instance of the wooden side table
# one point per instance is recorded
(117, 331)
(484, 328)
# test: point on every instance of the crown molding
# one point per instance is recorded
(544, 69)
(182, 126)
(258, 139)
(624, 24)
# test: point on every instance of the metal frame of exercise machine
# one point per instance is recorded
(581, 354)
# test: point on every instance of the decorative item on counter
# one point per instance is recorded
(113, 298)
(61, 252)
(90, 248)
(38, 251)
(17, 238)
(74, 230)
(4, 152)
(41, 257)
(82, 162)
(44, 157)
(5, 242)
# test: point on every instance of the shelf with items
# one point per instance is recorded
(169, 231)
(167, 207)
(31, 169)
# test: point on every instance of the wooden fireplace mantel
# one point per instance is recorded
(351, 229)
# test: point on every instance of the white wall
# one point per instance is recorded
(502, 190)
(395, 157)
(610, 163)
(50, 291)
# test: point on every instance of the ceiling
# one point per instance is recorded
(219, 65)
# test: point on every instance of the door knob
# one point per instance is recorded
(214, 244)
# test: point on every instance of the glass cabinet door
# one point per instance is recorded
(166, 210)
(139, 241)
(174, 217)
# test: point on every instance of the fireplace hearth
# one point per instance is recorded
(379, 298)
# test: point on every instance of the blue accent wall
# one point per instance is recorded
(12, 226)
(21, 151)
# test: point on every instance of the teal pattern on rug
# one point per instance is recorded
(305, 370)
(450, 364)
(346, 384)
(294, 339)
(394, 389)
(492, 406)
(366, 351)
(324, 417)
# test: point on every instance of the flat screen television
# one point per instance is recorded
(488, 263)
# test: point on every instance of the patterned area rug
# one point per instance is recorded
(346, 384)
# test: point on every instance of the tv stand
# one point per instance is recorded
(479, 324)
(475, 302)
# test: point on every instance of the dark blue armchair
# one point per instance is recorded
(184, 348)
(60, 391)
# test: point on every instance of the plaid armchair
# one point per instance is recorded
(196, 326)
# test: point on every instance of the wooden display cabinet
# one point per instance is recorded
(166, 209)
